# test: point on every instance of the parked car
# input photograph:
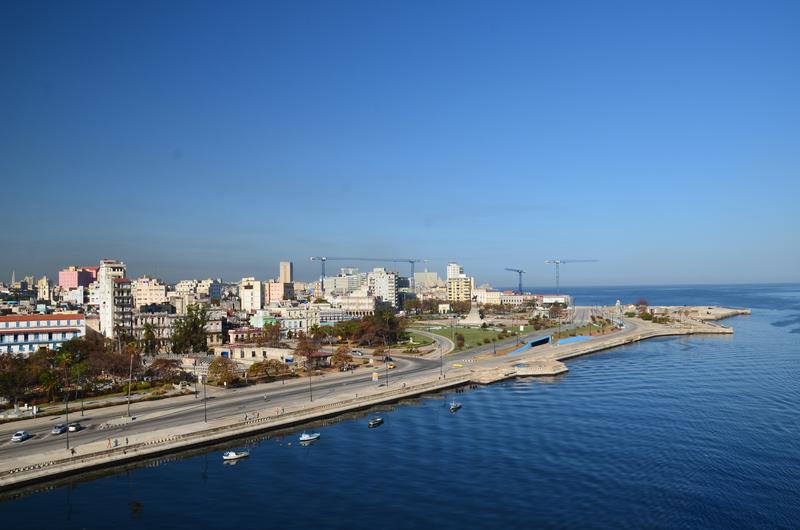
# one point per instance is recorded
(75, 427)
(20, 436)
(391, 366)
(58, 429)
(358, 353)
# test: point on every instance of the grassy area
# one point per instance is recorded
(420, 340)
(477, 336)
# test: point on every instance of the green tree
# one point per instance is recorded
(223, 371)
(272, 334)
(459, 340)
(149, 343)
(189, 331)
(15, 377)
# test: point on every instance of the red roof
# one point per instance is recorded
(121, 280)
(29, 318)
(22, 331)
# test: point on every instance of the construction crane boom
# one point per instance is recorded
(520, 272)
(558, 262)
(324, 259)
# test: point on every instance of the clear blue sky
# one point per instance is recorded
(194, 139)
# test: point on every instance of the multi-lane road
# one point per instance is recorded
(111, 423)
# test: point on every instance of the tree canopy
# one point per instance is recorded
(189, 331)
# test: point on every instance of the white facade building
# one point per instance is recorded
(251, 294)
(454, 270)
(383, 285)
(114, 297)
(24, 334)
(148, 291)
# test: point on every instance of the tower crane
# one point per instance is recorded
(324, 259)
(520, 272)
(558, 262)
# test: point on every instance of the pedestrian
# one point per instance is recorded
(126, 440)
(116, 442)
(109, 443)
(281, 410)
(72, 451)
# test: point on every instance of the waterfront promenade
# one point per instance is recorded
(178, 423)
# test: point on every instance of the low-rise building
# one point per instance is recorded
(247, 354)
(24, 334)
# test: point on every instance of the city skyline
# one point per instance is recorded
(663, 143)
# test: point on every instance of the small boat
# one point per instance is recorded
(454, 406)
(375, 422)
(305, 437)
(235, 454)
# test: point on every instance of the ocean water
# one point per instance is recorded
(691, 432)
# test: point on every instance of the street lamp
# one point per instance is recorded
(205, 401)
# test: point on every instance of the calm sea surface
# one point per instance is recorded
(699, 432)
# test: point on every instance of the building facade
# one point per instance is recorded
(383, 285)
(115, 298)
(24, 334)
(286, 274)
(251, 294)
(73, 277)
(148, 291)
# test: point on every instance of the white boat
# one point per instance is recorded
(305, 437)
(375, 422)
(454, 406)
(235, 455)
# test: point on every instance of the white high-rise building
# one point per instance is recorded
(251, 294)
(383, 284)
(286, 272)
(114, 297)
(454, 270)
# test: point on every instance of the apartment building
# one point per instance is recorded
(24, 334)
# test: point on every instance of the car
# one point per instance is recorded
(20, 436)
(458, 365)
(58, 429)
(358, 353)
(75, 427)
(390, 366)
(387, 358)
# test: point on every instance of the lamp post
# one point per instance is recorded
(130, 380)
(205, 401)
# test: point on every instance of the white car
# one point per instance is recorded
(20, 436)
(75, 427)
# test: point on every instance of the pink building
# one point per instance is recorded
(74, 277)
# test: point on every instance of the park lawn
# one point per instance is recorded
(474, 336)
(420, 340)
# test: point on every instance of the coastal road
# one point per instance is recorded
(110, 423)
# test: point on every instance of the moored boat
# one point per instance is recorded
(454, 406)
(306, 437)
(375, 422)
(235, 454)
